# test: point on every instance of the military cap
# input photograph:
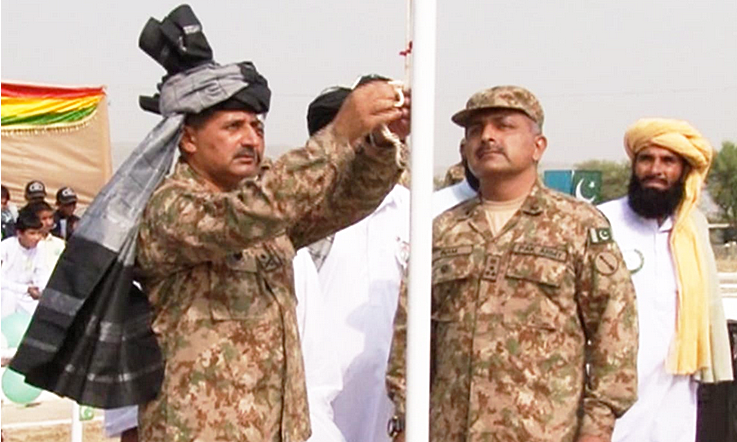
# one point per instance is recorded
(35, 190)
(502, 97)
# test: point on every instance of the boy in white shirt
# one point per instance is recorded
(23, 273)
(50, 246)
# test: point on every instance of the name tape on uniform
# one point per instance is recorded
(555, 253)
(451, 251)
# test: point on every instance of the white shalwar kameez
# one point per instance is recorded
(21, 268)
(346, 318)
(666, 407)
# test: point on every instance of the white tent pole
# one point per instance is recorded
(77, 431)
(420, 271)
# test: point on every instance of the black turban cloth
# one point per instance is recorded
(179, 45)
(325, 107)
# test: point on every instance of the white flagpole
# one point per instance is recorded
(420, 272)
(408, 45)
(77, 430)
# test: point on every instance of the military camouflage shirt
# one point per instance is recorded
(217, 270)
(516, 319)
(455, 174)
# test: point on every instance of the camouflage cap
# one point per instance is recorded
(502, 97)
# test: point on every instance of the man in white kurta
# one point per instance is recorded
(323, 374)
(664, 242)
(360, 281)
(347, 286)
(666, 405)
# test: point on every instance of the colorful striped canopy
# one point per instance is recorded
(57, 134)
(27, 106)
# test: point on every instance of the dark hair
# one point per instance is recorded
(38, 206)
(5, 192)
(27, 219)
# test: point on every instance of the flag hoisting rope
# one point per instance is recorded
(422, 16)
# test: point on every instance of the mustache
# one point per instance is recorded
(248, 152)
(653, 179)
(491, 148)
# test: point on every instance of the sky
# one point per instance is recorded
(596, 66)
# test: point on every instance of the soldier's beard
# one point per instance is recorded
(654, 203)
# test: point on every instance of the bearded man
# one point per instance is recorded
(665, 243)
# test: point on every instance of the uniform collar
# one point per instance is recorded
(534, 205)
(536, 201)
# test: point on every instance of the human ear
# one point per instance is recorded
(188, 143)
(541, 143)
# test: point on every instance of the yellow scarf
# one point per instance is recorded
(691, 348)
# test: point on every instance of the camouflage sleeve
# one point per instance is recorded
(185, 226)
(606, 299)
(357, 192)
(396, 381)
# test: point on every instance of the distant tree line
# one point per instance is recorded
(722, 182)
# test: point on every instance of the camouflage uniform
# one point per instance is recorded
(455, 174)
(217, 270)
(511, 318)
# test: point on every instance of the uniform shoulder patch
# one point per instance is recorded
(600, 235)
(606, 263)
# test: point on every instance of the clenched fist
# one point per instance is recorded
(368, 108)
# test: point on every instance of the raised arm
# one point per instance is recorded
(185, 224)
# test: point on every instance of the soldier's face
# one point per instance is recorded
(227, 148)
(658, 168)
(502, 142)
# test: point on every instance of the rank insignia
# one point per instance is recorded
(491, 268)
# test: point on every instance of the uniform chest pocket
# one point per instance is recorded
(237, 291)
(454, 287)
(544, 265)
(533, 281)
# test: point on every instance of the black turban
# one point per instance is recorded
(325, 107)
(179, 45)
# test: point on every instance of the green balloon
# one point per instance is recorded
(86, 413)
(14, 327)
(16, 389)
